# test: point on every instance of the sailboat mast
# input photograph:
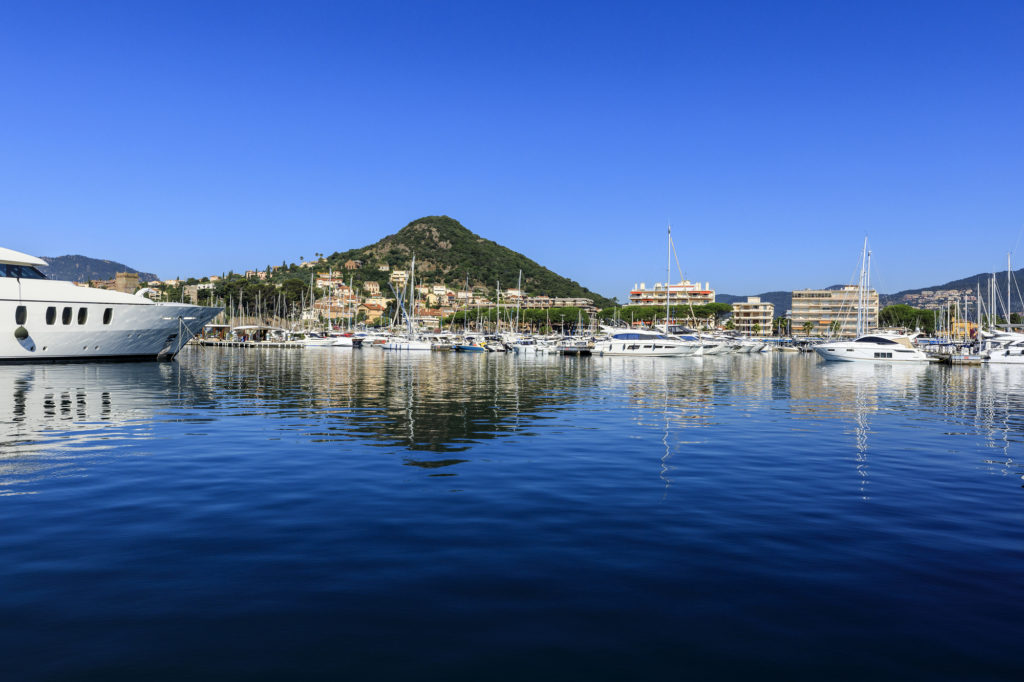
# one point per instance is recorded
(860, 289)
(1008, 271)
(668, 276)
(867, 289)
(519, 299)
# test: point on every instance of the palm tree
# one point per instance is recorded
(808, 326)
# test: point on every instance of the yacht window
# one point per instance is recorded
(22, 271)
(51, 315)
(65, 316)
(20, 314)
(107, 314)
(83, 315)
(876, 339)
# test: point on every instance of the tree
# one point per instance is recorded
(808, 326)
(834, 327)
(730, 325)
(757, 328)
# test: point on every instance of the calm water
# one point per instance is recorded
(330, 514)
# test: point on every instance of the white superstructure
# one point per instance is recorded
(644, 342)
(875, 347)
(46, 320)
(1004, 348)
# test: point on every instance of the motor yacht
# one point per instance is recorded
(645, 343)
(875, 347)
(870, 346)
(52, 320)
(1004, 348)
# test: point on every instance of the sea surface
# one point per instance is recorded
(346, 514)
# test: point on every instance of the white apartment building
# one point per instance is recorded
(822, 307)
(683, 293)
(754, 317)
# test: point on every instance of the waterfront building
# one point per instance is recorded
(371, 312)
(822, 308)
(753, 317)
(558, 302)
(683, 293)
(126, 282)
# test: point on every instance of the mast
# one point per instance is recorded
(668, 276)
(867, 290)
(860, 289)
(412, 298)
(519, 299)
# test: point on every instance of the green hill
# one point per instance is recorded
(448, 252)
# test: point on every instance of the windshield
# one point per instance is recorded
(22, 271)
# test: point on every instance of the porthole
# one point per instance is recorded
(65, 316)
(108, 314)
(20, 314)
(83, 315)
(51, 315)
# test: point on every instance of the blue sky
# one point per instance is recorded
(193, 138)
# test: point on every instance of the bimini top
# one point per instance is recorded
(10, 257)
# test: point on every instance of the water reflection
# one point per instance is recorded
(67, 411)
(422, 402)
(436, 408)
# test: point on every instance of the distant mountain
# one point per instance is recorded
(782, 300)
(966, 283)
(83, 269)
(446, 251)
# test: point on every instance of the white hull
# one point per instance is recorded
(347, 341)
(406, 344)
(133, 332)
(316, 343)
(853, 351)
(1010, 356)
(645, 348)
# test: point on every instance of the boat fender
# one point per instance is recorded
(21, 333)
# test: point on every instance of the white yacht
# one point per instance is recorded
(644, 342)
(875, 347)
(1004, 348)
(50, 320)
(866, 346)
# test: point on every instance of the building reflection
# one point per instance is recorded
(424, 402)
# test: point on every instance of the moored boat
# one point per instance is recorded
(53, 320)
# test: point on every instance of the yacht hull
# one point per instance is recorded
(128, 332)
(866, 352)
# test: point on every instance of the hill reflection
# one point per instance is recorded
(431, 407)
(423, 402)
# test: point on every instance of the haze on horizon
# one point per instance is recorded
(194, 138)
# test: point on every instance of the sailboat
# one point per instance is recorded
(649, 342)
(872, 346)
(411, 340)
